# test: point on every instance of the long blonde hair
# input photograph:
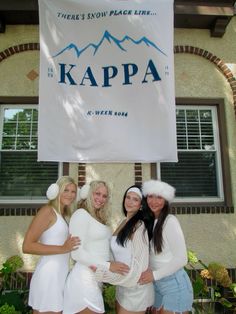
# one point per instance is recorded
(87, 204)
(62, 182)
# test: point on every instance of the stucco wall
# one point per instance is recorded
(14, 70)
(213, 237)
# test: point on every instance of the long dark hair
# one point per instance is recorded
(157, 237)
(133, 223)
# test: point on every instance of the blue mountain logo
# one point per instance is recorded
(111, 39)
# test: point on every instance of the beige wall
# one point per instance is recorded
(14, 70)
(213, 237)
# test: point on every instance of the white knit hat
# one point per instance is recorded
(159, 188)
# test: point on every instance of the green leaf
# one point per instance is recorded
(13, 298)
(192, 257)
(199, 288)
(225, 302)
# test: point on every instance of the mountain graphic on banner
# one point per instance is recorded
(111, 39)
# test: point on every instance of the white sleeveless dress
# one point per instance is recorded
(81, 289)
(48, 281)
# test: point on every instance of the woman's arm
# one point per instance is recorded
(173, 234)
(43, 220)
(140, 257)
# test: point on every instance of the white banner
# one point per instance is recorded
(106, 90)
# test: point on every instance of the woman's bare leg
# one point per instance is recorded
(37, 312)
(121, 310)
(162, 311)
(87, 311)
(117, 307)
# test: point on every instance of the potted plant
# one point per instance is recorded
(214, 291)
(12, 300)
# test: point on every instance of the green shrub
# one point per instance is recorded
(109, 295)
(7, 309)
(13, 300)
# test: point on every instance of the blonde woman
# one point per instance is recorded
(83, 293)
(48, 236)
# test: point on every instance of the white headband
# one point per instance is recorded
(135, 190)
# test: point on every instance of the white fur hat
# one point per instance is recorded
(159, 188)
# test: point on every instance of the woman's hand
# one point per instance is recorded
(119, 268)
(71, 244)
(115, 267)
(93, 268)
(146, 277)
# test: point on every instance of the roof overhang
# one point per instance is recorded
(201, 14)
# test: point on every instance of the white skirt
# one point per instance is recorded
(82, 291)
(136, 298)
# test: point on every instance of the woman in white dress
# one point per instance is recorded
(83, 294)
(48, 236)
(130, 245)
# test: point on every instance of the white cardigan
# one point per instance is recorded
(95, 239)
(139, 262)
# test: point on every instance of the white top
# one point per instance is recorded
(139, 252)
(121, 253)
(57, 233)
(94, 236)
(82, 290)
(174, 253)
